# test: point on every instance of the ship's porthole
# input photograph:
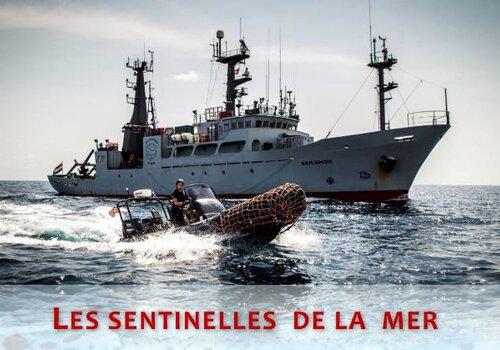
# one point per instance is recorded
(131, 175)
(346, 146)
(223, 171)
(251, 170)
(330, 180)
(205, 172)
(119, 175)
(192, 174)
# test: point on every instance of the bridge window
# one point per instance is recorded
(265, 124)
(240, 125)
(248, 123)
(284, 126)
(205, 150)
(255, 145)
(166, 152)
(233, 125)
(226, 127)
(232, 147)
(278, 125)
(272, 124)
(267, 146)
(258, 123)
(184, 151)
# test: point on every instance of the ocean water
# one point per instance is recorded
(441, 235)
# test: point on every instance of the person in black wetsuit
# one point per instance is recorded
(179, 197)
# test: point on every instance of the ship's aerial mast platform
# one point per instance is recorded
(234, 79)
(381, 60)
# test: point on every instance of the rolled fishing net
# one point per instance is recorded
(282, 205)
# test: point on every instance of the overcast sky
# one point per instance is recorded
(62, 73)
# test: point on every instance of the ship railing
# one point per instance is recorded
(257, 109)
(265, 109)
(380, 56)
(219, 112)
(432, 117)
(234, 52)
(213, 113)
(243, 75)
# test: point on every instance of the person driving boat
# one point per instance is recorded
(179, 197)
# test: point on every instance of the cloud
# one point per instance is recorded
(94, 25)
(189, 76)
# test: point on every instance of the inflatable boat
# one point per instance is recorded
(256, 220)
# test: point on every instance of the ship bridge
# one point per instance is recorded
(256, 128)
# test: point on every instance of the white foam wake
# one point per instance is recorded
(299, 237)
(94, 230)
(48, 219)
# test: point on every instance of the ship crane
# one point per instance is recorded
(85, 169)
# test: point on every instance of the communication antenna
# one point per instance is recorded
(267, 67)
(151, 101)
(281, 93)
(240, 29)
(370, 21)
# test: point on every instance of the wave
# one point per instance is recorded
(299, 237)
(48, 221)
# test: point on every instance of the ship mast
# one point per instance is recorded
(381, 60)
(136, 128)
(232, 58)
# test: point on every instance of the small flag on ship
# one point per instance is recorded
(113, 211)
(58, 169)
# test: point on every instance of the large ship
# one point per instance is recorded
(242, 150)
